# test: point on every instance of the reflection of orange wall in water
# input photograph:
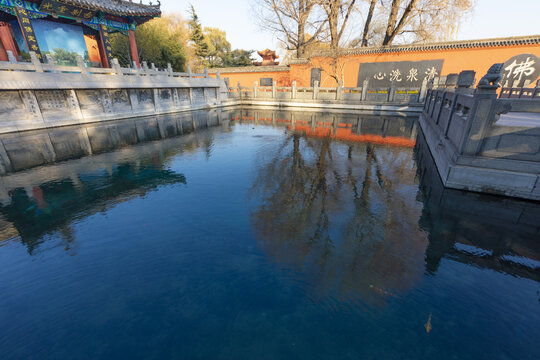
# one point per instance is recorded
(346, 134)
(343, 132)
(92, 47)
(478, 59)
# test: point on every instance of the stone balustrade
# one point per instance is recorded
(481, 142)
(36, 95)
(393, 95)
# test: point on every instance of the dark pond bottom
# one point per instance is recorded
(251, 241)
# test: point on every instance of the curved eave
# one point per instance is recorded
(120, 8)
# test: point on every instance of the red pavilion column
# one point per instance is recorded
(7, 39)
(3, 53)
(102, 52)
(133, 47)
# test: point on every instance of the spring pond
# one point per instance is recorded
(246, 239)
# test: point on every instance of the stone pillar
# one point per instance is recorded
(422, 92)
(315, 90)
(365, 85)
(274, 89)
(293, 91)
(391, 92)
(255, 89)
(133, 48)
(35, 61)
(481, 115)
(80, 64)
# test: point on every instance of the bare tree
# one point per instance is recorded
(297, 22)
(425, 20)
(338, 13)
(367, 23)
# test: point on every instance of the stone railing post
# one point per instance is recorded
(315, 90)
(153, 68)
(442, 82)
(145, 67)
(51, 63)
(81, 65)
(134, 65)
(391, 92)
(169, 69)
(294, 90)
(482, 113)
(11, 57)
(190, 74)
(205, 72)
(274, 89)
(435, 83)
(255, 89)
(35, 61)
(422, 92)
(116, 66)
(239, 90)
(339, 90)
(465, 81)
(365, 85)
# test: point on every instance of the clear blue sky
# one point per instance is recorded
(491, 18)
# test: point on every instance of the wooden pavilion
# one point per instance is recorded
(65, 28)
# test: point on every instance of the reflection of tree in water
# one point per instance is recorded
(346, 215)
(53, 206)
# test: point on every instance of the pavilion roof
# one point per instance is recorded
(120, 7)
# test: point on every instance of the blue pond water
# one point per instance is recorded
(251, 241)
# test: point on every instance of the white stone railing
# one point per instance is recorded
(50, 66)
(482, 143)
(390, 95)
(35, 95)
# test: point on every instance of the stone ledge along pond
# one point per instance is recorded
(244, 238)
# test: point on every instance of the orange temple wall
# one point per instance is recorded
(455, 60)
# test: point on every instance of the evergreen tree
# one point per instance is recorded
(197, 37)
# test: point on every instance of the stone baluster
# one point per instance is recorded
(423, 89)
(169, 70)
(294, 90)
(255, 89)
(316, 90)
(116, 67)
(274, 89)
(81, 65)
(145, 67)
(365, 85)
(190, 74)
(205, 72)
(391, 92)
(465, 81)
(35, 61)
(51, 63)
